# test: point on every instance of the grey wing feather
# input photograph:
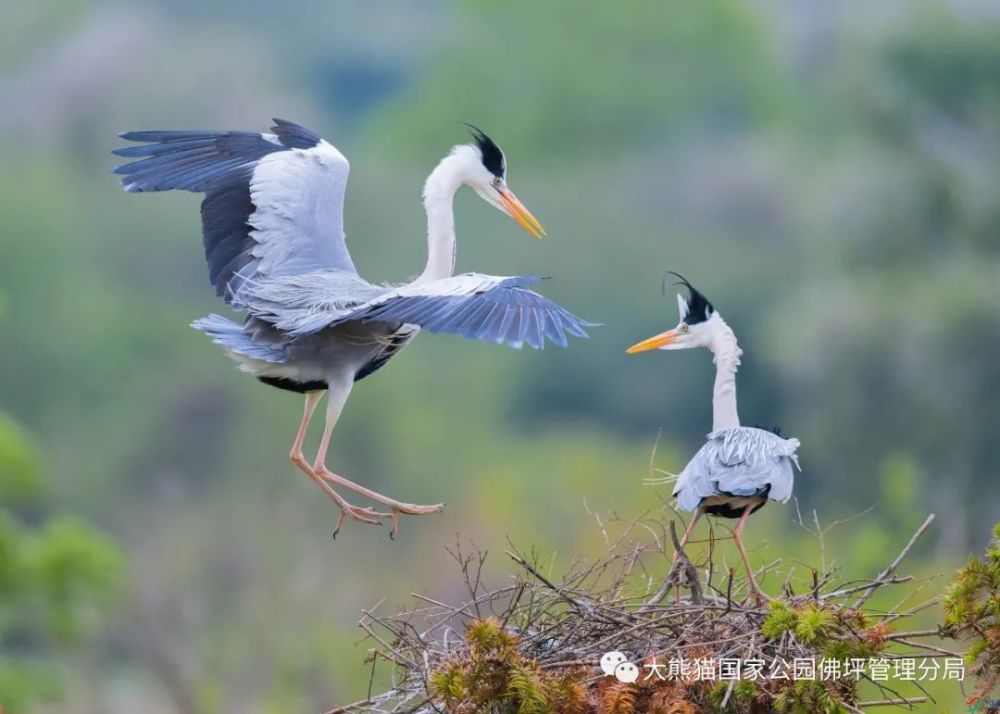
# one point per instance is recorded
(481, 307)
(241, 339)
(273, 202)
(743, 461)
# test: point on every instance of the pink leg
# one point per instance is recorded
(687, 532)
(366, 515)
(684, 540)
(738, 538)
(334, 407)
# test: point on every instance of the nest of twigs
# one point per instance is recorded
(535, 644)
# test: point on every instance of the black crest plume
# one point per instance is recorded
(699, 308)
(493, 158)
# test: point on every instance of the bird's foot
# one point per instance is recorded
(395, 508)
(347, 510)
(410, 509)
(364, 515)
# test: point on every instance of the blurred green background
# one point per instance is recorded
(826, 172)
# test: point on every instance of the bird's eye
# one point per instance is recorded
(684, 327)
(497, 181)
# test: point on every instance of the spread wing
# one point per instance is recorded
(739, 462)
(481, 307)
(273, 202)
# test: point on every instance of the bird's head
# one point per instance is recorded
(699, 326)
(484, 170)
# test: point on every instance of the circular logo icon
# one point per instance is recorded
(626, 672)
(610, 661)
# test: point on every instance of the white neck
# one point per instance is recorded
(439, 193)
(727, 361)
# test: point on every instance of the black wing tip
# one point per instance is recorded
(294, 135)
(153, 136)
(141, 135)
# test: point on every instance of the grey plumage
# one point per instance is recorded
(482, 307)
(743, 462)
(272, 227)
(273, 202)
(739, 468)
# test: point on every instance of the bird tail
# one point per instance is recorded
(234, 338)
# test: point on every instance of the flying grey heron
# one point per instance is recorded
(273, 233)
(739, 468)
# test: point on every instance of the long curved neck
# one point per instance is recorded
(439, 193)
(727, 360)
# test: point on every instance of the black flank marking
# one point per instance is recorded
(396, 343)
(776, 430)
(724, 511)
(291, 385)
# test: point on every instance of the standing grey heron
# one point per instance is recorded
(273, 233)
(740, 467)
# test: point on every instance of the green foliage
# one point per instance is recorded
(488, 638)
(808, 697)
(54, 579)
(823, 627)
(780, 619)
(75, 568)
(814, 624)
(20, 470)
(745, 691)
(494, 676)
(25, 683)
(525, 687)
(718, 693)
(448, 685)
(972, 612)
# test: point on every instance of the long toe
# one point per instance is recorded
(412, 509)
(356, 513)
(367, 515)
(392, 504)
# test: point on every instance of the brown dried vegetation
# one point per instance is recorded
(533, 646)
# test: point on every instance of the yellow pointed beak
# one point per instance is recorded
(654, 342)
(516, 210)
